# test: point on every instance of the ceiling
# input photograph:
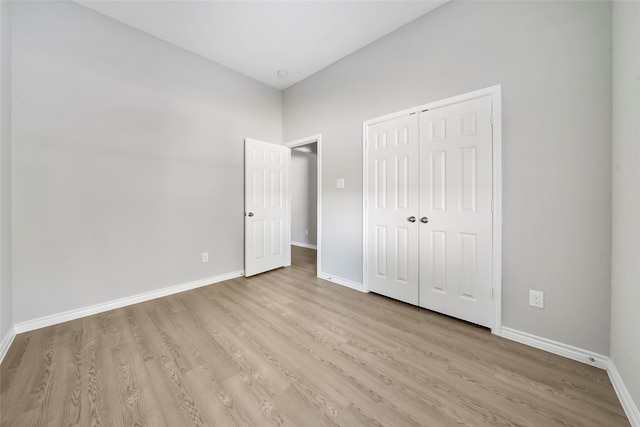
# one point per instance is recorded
(258, 38)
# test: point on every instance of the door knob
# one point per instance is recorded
(424, 220)
(411, 219)
(250, 213)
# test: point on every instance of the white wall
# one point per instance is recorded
(128, 160)
(6, 303)
(303, 197)
(625, 299)
(553, 60)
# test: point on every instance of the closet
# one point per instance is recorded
(429, 208)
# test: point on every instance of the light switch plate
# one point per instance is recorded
(340, 183)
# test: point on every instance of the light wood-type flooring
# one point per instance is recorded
(285, 348)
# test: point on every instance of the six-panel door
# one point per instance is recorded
(392, 197)
(456, 196)
(266, 198)
(429, 209)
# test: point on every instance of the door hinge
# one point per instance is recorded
(491, 293)
(492, 206)
(491, 119)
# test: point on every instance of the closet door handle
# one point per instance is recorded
(424, 220)
(250, 214)
(411, 219)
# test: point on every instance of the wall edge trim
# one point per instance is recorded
(629, 406)
(66, 316)
(304, 245)
(575, 353)
(342, 282)
(6, 342)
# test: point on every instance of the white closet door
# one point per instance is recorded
(456, 198)
(392, 200)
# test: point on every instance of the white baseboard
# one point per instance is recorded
(6, 343)
(555, 347)
(585, 356)
(629, 406)
(304, 245)
(54, 319)
(344, 282)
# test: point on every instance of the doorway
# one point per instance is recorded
(306, 193)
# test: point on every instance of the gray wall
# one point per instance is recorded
(6, 304)
(625, 298)
(128, 160)
(553, 60)
(303, 196)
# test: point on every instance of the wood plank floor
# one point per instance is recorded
(285, 348)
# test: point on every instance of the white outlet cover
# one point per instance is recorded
(536, 299)
(205, 256)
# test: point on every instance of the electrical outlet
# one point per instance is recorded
(306, 231)
(205, 256)
(536, 299)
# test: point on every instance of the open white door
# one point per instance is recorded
(266, 201)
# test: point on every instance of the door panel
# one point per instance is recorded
(392, 162)
(266, 206)
(456, 197)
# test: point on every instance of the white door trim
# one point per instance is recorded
(305, 141)
(496, 96)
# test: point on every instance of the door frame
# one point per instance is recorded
(495, 92)
(317, 139)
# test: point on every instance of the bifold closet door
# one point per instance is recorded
(456, 198)
(392, 208)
